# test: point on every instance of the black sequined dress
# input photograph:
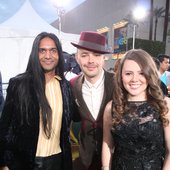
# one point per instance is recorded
(139, 139)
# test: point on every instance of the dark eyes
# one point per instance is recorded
(52, 51)
(130, 73)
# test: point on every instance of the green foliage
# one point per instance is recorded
(152, 47)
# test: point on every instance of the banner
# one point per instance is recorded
(120, 39)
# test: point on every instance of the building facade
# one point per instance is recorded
(96, 15)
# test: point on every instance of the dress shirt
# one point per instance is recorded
(45, 146)
(93, 95)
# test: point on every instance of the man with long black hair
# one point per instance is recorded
(34, 127)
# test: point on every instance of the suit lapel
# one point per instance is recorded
(106, 94)
(80, 100)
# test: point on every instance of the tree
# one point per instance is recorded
(151, 20)
(166, 20)
(158, 12)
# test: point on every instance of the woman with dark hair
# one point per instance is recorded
(34, 127)
(136, 132)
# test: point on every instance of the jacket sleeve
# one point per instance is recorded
(1, 94)
(76, 115)
(5, 125)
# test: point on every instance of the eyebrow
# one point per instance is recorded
(48, 48)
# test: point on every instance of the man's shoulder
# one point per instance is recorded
(75, 79)
(167, 73)
(20, 79)
(108, 75)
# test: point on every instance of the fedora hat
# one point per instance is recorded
(92, 41)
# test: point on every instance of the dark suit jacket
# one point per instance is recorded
(91, 131)
(18, 143)
(1, 94)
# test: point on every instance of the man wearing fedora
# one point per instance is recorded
(92, 90)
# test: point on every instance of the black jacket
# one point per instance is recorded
(18, 143)
(1, 94)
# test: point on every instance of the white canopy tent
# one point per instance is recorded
(17, 35)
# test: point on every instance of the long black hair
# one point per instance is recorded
(36, 72)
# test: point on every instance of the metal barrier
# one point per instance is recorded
(4, 87)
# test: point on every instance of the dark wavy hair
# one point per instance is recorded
(36, 72)
(154, 93)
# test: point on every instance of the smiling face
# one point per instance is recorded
(48, 55)
(91, 63)
(134, 81)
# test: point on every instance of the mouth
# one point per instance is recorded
(48, 62)
(135, 86)
(90, 67)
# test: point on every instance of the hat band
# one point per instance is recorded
(90, 45)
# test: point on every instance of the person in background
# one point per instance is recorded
(164, 65)
(71, 67)
(92, 90)
(162, 85)
(1, 95)
(35, 122)
(136, 132)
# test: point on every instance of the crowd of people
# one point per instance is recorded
(124, 116)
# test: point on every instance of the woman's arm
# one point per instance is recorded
(107, 145)
(4, 168)
(167, 139)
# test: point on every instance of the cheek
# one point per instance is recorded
(125, 79)
(40, 57)
(81, 62)
(56, 57)
(100, 63)
(143, 79)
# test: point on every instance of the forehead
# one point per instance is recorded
(166, 60)
(47, 42)
(130, 65)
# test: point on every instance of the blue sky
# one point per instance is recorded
(45, 8)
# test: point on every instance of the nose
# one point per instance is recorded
(48, 54)
(91, 58)
(135, 77)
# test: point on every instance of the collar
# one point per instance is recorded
(57, 77)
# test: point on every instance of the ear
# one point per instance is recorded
(76, 57)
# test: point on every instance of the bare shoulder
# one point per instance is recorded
(107, 111)
(108, 106)
(167, 99)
